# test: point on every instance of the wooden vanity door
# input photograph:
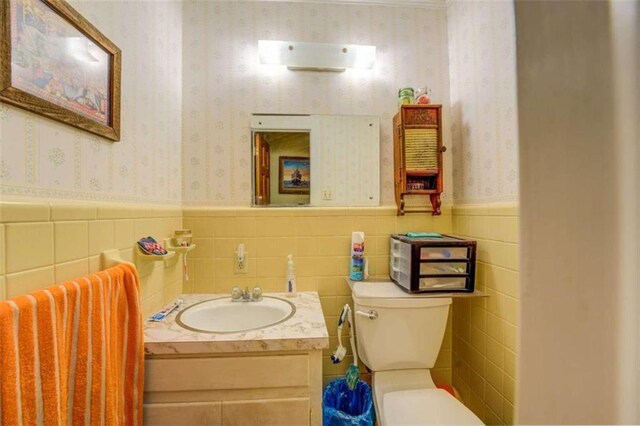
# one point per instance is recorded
(263, 171)
(273, 412)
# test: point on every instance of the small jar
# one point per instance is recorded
(182, 238)
(423, 96)
(405, 96)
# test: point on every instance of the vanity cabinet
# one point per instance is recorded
(234, 389)
(417, 140)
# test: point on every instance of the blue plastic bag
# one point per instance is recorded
(342, 406)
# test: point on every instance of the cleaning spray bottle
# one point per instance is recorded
(357, 268)
(291, 278)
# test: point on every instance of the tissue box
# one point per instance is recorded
(426, 264)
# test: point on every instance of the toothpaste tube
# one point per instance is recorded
(164, 312)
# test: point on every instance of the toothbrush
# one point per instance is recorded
(164, 312)
(185, 271)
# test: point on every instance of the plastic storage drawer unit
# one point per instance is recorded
(446, 264)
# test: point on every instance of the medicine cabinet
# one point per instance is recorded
(315, 160)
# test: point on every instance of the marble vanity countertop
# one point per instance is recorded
(306, 330)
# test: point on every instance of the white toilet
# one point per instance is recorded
(399, 341)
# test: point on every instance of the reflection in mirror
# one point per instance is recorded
(315, 160)
(282, 168)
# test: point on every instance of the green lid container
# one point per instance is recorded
(405, 96)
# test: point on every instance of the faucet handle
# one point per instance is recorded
(257, 293)
(236, 293)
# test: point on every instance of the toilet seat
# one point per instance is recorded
(425, 407)
(409, 397)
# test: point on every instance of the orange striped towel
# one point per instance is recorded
(74, 353)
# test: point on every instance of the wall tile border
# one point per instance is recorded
(299, 211)
(45, 242)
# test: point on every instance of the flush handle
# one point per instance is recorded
(371, 314)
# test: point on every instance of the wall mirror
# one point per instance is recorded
(315, 160)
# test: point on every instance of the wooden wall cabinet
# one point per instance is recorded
(417, 141)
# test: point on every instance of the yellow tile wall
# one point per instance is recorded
(484, 330)
(44, 243)
(320, 241)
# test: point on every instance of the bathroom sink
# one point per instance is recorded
(224, 316)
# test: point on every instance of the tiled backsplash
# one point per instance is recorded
(319, 240)
(484, 330)
(44, 243)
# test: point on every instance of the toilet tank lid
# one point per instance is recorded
(375, 292)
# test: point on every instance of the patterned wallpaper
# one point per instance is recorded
(43, 158)
(484, 127)
(221, 82)
(224, 82)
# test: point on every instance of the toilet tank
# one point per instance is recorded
(408, 330)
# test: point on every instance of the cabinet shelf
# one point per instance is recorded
(421, 192)
(422, 173)
(463, 275)
(447, 260)
(439, 295)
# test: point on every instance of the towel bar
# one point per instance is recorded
(144, 263)
(111, 258)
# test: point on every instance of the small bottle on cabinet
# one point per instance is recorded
(291, 277)
(423, 96)
(405, 96)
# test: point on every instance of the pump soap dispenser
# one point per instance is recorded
(291, 278)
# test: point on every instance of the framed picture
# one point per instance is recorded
(294, 175)
(55, 63)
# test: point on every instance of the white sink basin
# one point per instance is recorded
(224, 316)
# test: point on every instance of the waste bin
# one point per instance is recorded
(342, 406)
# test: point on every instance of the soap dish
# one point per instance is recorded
(181, 249)
(153, 257)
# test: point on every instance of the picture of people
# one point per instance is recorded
(54, 61)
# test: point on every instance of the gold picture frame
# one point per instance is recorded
(55, 63)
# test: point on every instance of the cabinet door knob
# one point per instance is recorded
(443, 148)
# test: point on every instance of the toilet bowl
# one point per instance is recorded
(399, 337)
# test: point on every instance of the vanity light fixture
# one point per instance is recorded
(300, 56)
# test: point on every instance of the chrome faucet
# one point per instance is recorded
(244, 295)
